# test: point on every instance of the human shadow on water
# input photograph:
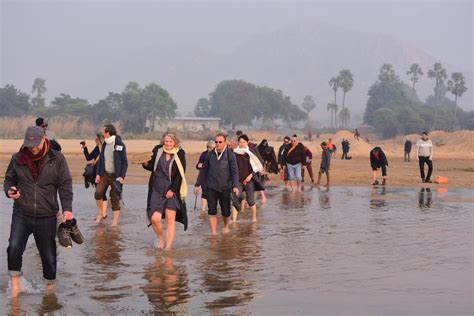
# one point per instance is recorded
(167, 288)
(49, 304)
(324, 200)
(227, 273)
(425, 193)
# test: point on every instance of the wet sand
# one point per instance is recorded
(349, 251)
(355, 172)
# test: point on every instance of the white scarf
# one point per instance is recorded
(254, 161)
(110, 140)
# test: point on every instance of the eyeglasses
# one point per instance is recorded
(294, 141)
(218, 142)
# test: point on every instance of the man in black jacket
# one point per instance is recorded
(34, 177)
(111, 170)
(281, 161)
(221, 175)
(49, 135)
(294, 158)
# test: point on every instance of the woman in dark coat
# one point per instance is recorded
(202, 158)
(167, 189)
(94, 156)
(378, 160)
(269, 158)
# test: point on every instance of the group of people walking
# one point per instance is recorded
(230, 172)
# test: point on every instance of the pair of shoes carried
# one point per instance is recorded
(236, 201)
(69, 232)
(376, 182)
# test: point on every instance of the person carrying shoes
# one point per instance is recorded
(35, 175)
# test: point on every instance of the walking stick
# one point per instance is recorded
(195, 201)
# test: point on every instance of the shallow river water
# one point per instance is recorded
(349, 251)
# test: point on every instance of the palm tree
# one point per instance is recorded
(344, 116)
(457, 86)
(333, 108)
(416, 72)
(39, 87)
(346, 80)
(439, 74)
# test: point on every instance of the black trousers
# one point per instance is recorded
(422, 161)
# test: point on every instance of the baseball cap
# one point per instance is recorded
(40, 122)
(33, 136)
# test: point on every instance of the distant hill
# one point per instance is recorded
(298, 59)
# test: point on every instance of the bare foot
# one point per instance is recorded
(114, 224)
(168, 248)
(16, 289)
(264, 200)
(254, 220)
(49, 288)
(98, 218)
(213, 233)
(225, 230)
(161, 244)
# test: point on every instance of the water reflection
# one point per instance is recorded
(49, 304)
(167, 289)
(324, 200)
(227, 273)
(295, 200)
(425, 198)
(104, 257)
(377, 198)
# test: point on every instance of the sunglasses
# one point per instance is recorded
(218, 142)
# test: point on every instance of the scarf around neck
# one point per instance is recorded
(183, 190)
(33, 162)
(110, 140)
(254, 161)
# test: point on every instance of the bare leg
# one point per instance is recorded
(16, 289)
(98, 217)
(235, 214)
(213, 224)
(292, 183)
(225, 230)
(170, 228)
(50, 288)
(298, 186)
(264, 197)
(203, 205)
(319, 180)
(254, 213)
(244, 204)
(158, 228)
(374, 175)
(104, 209)
(327, 178)
(116, 215)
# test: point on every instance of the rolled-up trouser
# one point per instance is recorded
(44, 232)
(294, 172)
(107, 180)
(249, 189)
(223, 197)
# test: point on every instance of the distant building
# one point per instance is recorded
(192, 124)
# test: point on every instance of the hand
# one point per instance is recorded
(199, 165)
(169, 194)
(97, 179)
(431, 158)
(236, 191)
(12, 194)
(196, 190)
(67, 216)
(120, 179)
(417, 159)
(144, 164)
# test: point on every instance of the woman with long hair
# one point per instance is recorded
(94, 156)
(167, 189)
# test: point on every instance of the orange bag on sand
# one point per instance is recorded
(441, 180)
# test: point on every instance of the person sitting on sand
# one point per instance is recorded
(325, 164)
(378, 160)
(167, 188)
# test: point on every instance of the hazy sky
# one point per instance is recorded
(57, 33)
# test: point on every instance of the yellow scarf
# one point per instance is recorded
(183, 190)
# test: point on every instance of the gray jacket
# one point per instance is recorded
(39, 199)
(325, 160)
(219, 174)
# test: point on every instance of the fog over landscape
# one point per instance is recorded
(88, 48)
